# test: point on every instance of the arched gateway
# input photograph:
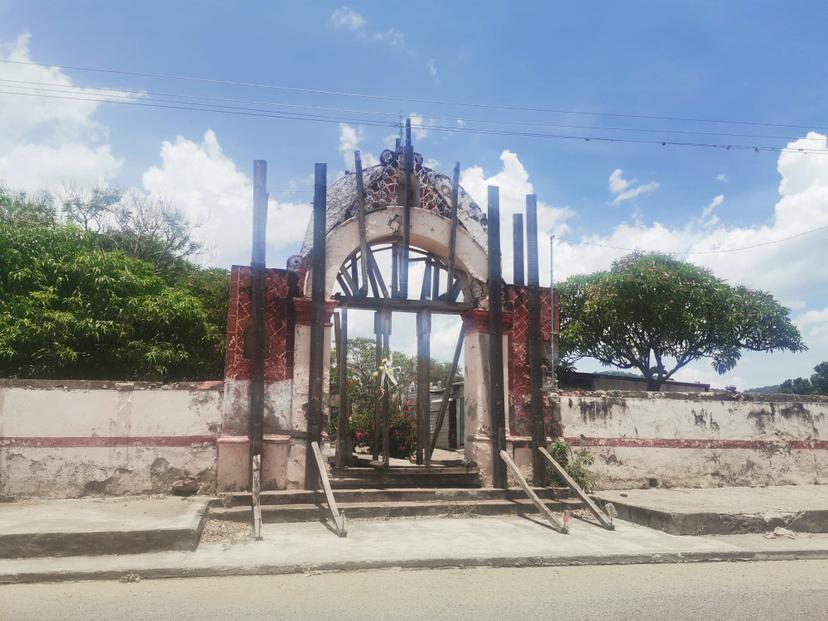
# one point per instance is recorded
(378, 225)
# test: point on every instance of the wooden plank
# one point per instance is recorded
(338, 516)
(407, 306)
(441, 413)
(497, 395)
(547, 513)
(363, 240)
(257, 312)
(386, 398)
(602, 517)
(355, 290)
(318, 318)
(535, 337)
(256, 491)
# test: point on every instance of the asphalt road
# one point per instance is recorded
(772, 590)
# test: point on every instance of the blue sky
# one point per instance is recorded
(744, 62)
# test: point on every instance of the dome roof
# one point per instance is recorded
(383, 188)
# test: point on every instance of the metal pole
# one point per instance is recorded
(257, 303)
(497, 406)
(317, 329)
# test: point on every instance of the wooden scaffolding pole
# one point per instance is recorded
(317, 329)
(257, 303)
(535, 335)
(497, 406)
(423, 386)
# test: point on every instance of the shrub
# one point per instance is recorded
(575, 464)
(402, 431)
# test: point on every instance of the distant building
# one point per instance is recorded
(577, 380)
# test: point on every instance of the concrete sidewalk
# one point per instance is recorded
(100, 526)
(724, 510)
(427, 543)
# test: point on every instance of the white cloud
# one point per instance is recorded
(350, 138)
(628, 189)
(721, 177)
(419, 130)
(431, 67)
(208, 186)
(345, 18)
(45, 140)
(707, 217)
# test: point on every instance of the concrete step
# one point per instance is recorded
(386, 510)
(287, 497)
(399, 477)
(85, 527)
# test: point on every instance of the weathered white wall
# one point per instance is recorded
(70, 439)
(699, 439)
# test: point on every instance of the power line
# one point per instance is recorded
(317, 91)
(699, 252)
(253, 112)
(124, 93)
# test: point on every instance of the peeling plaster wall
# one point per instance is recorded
(66, 439)
(699, 439)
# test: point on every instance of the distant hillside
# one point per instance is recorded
(765, 390)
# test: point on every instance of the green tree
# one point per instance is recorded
(656, 314)
(817, 384)
(74, 304)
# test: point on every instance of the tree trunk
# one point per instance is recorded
(654, 384)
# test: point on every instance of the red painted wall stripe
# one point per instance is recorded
(686, 443)
(105, 441)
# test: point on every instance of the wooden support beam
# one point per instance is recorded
(337, 515)
(535, 345)
(378, 343)
(257, 315)
(517, 249)
(602, 517)
(343, 454)
(375, 275)
(545, 511)
(408, 168)
(447, 390)
(497, 405)
(317, 328)
(455, 197)
(425, 288)
(423, 385)
(435, 282)
(363, 240)
(395, 271)
(408, 306)
(256, 490)
(349, 281)
(386, 398)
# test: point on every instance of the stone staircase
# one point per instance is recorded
(390, 502)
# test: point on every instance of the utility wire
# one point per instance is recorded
(198, 99)
(316, 91)
(253, 112)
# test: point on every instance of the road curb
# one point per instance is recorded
(446, 563)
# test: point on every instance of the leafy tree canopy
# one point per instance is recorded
(656, 314)
(77, 304)
(817, 384)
